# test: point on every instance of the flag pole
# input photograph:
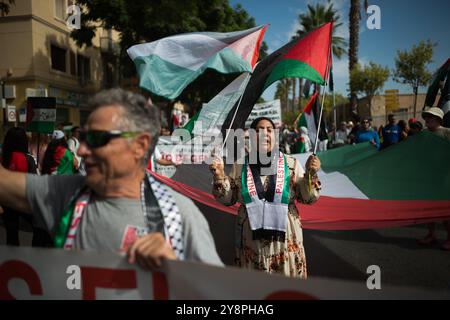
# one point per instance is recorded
(247, 79)
(327, 78)
(335, 115)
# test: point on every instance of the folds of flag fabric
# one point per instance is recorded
(213, 114)
(303, 58)
(167, 66)
(362, 188)
(310, 119)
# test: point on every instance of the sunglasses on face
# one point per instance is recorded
(100, 138)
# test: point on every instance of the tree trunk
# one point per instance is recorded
(300, 93)
(354, 17)
(415, 100)
(286, 93)
(294, 96)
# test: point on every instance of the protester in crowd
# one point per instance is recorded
(15, 157)
(305, 140)
(74, 143)
(380, 133)
(414, 127)
(268, 231)
(292, 135)
(349, 127)
(391, 132)
(403, 127)
(299, 145)
(434, 117)
(119, 205)
(284, 145)
(354, 129)
(37, 147)
(366, 134)
(165, 131)
(58, 159)
(158, 159)
(341, 135)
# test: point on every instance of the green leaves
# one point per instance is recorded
(368, 79)
(410, 66)
(318, 15)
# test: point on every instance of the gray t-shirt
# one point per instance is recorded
(110, 224)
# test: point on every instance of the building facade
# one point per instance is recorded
(404, 109)
(38, 58)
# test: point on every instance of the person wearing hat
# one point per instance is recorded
(433, 121)
(58, 159)
(434, 118)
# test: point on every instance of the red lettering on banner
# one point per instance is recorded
(290, 295)
(160, 287)
(18, 269)
(106, 278)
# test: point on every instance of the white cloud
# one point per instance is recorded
(292, 30)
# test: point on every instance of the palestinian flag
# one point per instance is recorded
(365, 188)
(213, 114)
(309, 118)
(167, 66)
(362, 188)
(306, 58)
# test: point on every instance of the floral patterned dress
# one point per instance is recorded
(285, 255)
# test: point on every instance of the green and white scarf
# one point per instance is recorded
(261, 213)
(173, 228)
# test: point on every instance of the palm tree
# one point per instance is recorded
(354, 17)
(282, 93)
(315, 17)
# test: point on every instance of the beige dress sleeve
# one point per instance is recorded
(226, 190)
(306, 187)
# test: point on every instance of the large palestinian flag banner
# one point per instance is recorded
(362, 188)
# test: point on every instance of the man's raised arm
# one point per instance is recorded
(13, 190)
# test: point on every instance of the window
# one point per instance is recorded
(58, 56)
(60, 9)
(73, 67)
(84, 68)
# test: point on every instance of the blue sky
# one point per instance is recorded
(403, 24)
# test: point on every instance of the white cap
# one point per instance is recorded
(57, 134)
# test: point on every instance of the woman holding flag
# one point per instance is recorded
(268, 230)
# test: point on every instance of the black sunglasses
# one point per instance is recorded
(100, 138)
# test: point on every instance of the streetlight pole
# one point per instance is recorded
(3, 102)
(2, 82)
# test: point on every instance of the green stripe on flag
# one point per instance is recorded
(191, 123)
(169, 80)
(415, 169)
(290, 68)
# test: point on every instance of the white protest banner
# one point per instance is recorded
(29, 273)
(270, 109)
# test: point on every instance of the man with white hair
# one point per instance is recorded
(118, 205)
